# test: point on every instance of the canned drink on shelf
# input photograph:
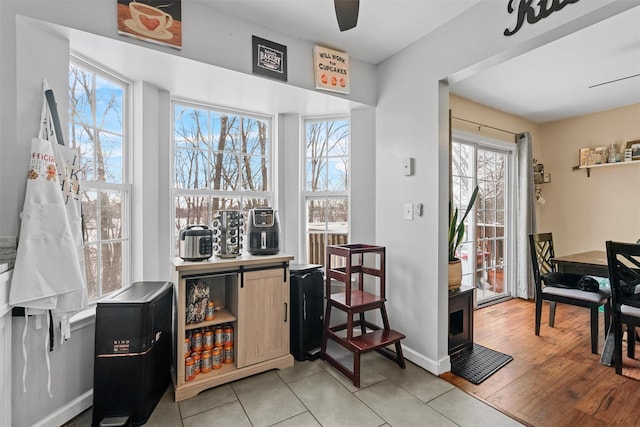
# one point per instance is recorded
(188, 369)
(207, 339)
(227, 335)
(187, 346)
(210, 311)
(196, 362)
(219, 337)
(227, 354)
(196, 341)
(205, 362)
(216, 358)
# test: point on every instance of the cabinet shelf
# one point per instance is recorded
(222, 316)
(602, 165)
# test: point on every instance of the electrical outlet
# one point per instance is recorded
(417, 209)
(408, 211)
(407, 166)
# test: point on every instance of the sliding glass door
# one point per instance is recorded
(485, 250)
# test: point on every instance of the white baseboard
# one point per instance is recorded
(435, 367)
(68, 411)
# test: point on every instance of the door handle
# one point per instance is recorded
(285, 311)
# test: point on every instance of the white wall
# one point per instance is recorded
(411, 120)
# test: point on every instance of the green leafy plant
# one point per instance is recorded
(456, 229)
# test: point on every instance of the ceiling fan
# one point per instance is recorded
(346, 13)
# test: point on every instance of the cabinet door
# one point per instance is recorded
(263, 316)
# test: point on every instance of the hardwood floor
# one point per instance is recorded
(554, 379)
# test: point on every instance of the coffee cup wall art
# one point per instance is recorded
(155, 21)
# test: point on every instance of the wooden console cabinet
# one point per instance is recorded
(254, 294)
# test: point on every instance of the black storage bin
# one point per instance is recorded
(307, 305)
(133, 352)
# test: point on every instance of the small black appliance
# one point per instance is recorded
(263, 231)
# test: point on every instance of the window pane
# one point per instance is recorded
(338, 174)
(111, 152)
(316, 175)
(190, 127)
(190, 169)
(111, 215)
(90, 214)
(191, 210)
(108, 105)
(111, 267)
(256, 173)
(226, 204)
(91, 267)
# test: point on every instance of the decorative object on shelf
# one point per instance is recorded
(456, 234)
(635, 149)
(586, 157)
(539, 176)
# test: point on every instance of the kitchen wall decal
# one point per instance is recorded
(269, 58)
(154, 21)
(527, 10)
(331, 68)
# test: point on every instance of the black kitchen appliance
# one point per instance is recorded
(307, 303)
(263, 231)
(133, 352)
(196, 243)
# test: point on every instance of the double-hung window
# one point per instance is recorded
(326, 192)
(98, 130)
(221, 161)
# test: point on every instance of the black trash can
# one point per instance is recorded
(307, 305)
(133, 352)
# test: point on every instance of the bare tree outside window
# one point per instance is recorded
(222, 161)
(326, 185)
(97, 132)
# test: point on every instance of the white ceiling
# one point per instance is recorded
(384, 26)
(546, 84)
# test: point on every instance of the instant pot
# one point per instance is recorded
(196, 243)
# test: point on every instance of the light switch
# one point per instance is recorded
(408, 211)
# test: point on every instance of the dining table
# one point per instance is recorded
(590, 263)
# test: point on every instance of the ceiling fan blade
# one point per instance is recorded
(347, 13)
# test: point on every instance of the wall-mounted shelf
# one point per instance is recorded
(602, 165)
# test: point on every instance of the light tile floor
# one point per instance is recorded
(313, 393)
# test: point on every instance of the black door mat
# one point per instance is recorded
(477, 363)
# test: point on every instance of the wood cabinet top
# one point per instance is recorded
(216, 263)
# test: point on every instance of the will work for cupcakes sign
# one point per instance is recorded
(331, 69)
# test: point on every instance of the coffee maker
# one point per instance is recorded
(263, 231)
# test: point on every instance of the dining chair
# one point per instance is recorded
(556, 287)
(624, 275)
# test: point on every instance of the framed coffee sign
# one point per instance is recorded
(331, 70)
(269, 58)
(155, 21)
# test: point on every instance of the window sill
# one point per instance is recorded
(83, 318)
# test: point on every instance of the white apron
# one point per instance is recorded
(49, 267)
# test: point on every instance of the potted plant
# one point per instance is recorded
(456, 234)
